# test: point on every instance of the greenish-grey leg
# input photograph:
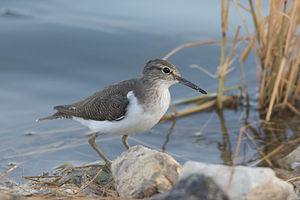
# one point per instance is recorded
(95, 147)
(125, 141)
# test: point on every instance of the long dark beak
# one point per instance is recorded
(189, 84)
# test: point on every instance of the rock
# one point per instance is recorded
(7, 195)
(297, 187)
(194, 187)
(286, 174)
(292, 160)
(248, 183)
(141, 172)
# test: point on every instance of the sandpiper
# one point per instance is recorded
(129, 107)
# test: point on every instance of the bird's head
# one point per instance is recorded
(164, 72)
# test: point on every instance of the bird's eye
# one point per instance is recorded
(166, 70)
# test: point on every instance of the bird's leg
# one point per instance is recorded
(95, 147)
(125, 141)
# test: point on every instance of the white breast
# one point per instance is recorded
(136, 120)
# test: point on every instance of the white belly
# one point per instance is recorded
(136, 120)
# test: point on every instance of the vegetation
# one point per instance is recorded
(275, 41)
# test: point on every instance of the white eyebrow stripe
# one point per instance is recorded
(159, 65)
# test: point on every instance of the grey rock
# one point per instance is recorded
(292, 160)
(249, 183)
(141, 172)
(297, 188)
(194, 187)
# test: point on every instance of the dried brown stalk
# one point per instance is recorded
(271, 153)
(277, 46)
(222, 64)
(235, 158)
(180, 47)
(85, 186)
(244, 130)
(257, 148)
(193, 110)
(275, 89)
(8, 171)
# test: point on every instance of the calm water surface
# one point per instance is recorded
(59, 52)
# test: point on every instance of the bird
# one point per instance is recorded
(129, 107)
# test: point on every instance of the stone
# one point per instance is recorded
(141, 172)
(194, 187)
(249, 183)
(292, 160)
(285, 174)
(10, 195)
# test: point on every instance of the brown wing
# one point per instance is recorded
(109, 104)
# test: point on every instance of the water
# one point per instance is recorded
(59, 52)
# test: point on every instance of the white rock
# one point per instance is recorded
(248, 183)
(141, 172)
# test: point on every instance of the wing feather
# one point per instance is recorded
(109, 104)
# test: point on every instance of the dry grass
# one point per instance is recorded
(276, 42)
(54, 188)
(9, 195)
(209, 103)
(8, 171)
(62, 188)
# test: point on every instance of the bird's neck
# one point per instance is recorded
(152, 93)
